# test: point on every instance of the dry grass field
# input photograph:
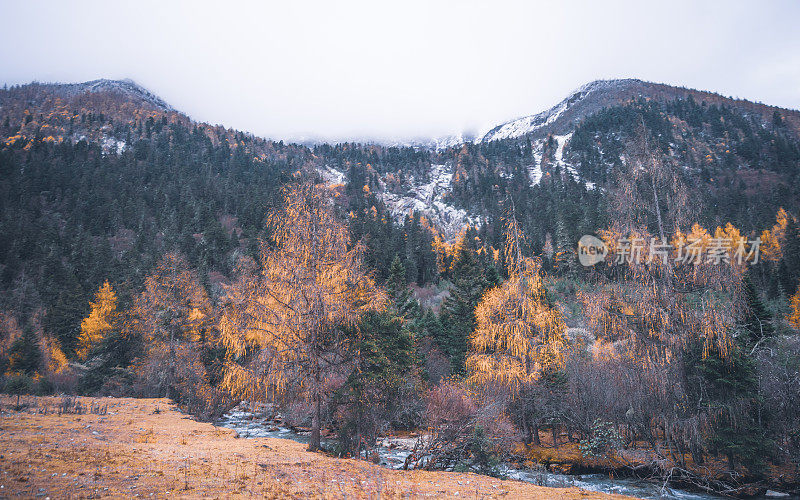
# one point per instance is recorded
(146, 448)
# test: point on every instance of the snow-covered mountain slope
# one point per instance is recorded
(93, 111)
(428, 197)
(537, 169)
(127, 88)
(561, 118)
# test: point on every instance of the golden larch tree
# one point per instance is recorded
(101, 320)
(772, 240)
(794, 313)
(518, 334)
(283, 323)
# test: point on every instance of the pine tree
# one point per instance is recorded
(458, 311)
(63, 318)
(757, 321)
(563, 257)
(25, 353)
(384, 353)
(397, 290)
(791, 254)
(729, 389)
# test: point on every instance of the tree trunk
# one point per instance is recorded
(172, 363)
(314, 443)
(697, 455)
(536, 439)
(554, 432)
(526, 429)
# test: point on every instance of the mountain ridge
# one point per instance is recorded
(598, 94)
(559, 119)
(448, 182)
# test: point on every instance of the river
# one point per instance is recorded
(257, 422)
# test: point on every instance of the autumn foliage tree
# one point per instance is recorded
(173, 312)
(794, 314)
(101, 321)
(674, 313)
(284, 325)
(519, 335)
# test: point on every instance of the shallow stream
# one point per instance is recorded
(258, 422)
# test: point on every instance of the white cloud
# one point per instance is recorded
(402, 69)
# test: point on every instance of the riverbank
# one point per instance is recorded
(561, 467)
(123, 448)
(712, 475)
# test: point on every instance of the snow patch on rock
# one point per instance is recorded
(428, 197)
(332, 176)
(429, 200)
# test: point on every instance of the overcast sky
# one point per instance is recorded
(342, 69)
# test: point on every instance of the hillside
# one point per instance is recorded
(599, 94)
(106, 170)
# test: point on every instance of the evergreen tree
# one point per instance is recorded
(64, 316)
(383, 360)
(25, 355)
(470, 282)
(397, 289)
(729, 389)
(757, 321)
(791, 255)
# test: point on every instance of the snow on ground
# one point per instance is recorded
(535, 170)
(561, 141)
(331, 176)
(428, 199)
(111, 144)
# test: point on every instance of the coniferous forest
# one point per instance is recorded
(144, 254)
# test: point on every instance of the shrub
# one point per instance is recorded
(602, 441)
(18, 384)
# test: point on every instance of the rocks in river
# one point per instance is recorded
(564, 468)
(776, 494)
(750, 490)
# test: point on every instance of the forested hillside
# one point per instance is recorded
(366, 288)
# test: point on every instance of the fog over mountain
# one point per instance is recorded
(402, 71)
